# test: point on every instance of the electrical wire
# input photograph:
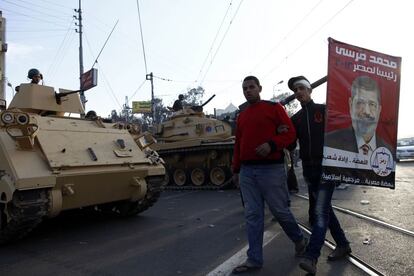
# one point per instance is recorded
(33, 17)
(142, 39)
(36, 31)
(56, 4)
(53, 64)
(287, 35)
(214, 40)
(34, 10)
(100, 68)
(44, 7)
(221, 42)
(110, 88)
(62, 56)
(310, 36)
(139, 88)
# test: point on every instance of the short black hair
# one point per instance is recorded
(253, 78)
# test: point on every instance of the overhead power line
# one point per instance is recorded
(221, 42)
(33, 17)
(56, 4)
(30, 3)
(142, 38)
(139, 88)
(310, 36)
(34, 10)
(287, 35)
(109, 85)
(58, 54)
(214, 40)
(36, 31)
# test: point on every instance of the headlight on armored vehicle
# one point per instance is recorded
(7, 118)
(22, 119)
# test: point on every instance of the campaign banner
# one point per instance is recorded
(361, 116)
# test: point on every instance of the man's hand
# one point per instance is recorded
(235, 179)
(263, 150)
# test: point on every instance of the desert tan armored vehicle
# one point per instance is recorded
(50, 162)
(197, 150)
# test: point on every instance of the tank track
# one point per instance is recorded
(127, 208)
(23, 213)
(155, 186)
(226, 147)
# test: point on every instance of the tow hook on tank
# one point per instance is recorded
(153, 157)
(140, 186)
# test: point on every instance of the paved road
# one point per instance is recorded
(191, 233)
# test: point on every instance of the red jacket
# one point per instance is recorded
(258, 124)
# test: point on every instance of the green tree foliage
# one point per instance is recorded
(161, 113)
(291, 107)
(193, 96)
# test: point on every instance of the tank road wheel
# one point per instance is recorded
(217, 176)
(23, 213)
(179, 177)
(198, 176)
(166, 180)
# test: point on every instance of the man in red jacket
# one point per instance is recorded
(259, 171)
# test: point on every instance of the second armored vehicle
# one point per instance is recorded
(197, 150)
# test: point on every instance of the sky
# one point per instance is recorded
(208, 43)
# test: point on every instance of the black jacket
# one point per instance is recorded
(309, 123)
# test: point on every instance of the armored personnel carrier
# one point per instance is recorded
(197, 150)
(50, 162)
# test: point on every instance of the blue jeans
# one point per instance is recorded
(260, 183)
(324, 218)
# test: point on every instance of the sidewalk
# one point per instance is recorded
(278, 250)
(279, 259)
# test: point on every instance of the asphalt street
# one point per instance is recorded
(194, 232)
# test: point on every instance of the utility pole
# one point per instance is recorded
(79, 30)
(150, 78)
(3, 49)
(126, 110)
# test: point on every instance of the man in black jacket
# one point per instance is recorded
(309, 123)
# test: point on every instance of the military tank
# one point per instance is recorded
(197, 150)
(50, 162)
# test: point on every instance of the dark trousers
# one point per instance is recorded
(312, 176)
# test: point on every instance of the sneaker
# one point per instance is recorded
(309, 265)
(300, 247)
(339, 253)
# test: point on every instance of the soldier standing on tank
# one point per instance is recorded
(35, 76)
(178, 104)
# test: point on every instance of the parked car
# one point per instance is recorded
(405, 149)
